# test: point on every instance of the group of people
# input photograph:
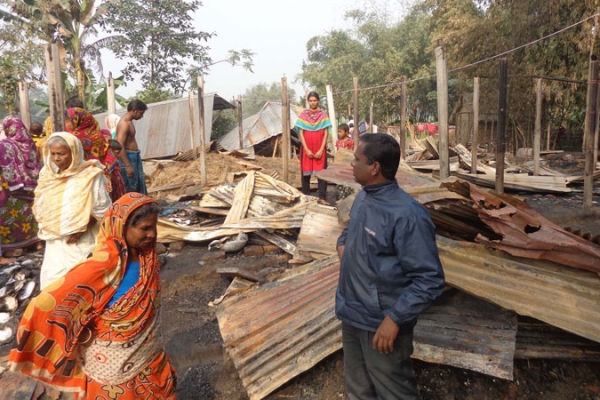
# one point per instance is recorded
(94, 329)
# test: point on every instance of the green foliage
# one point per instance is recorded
(255, 97)
(160, 38)
(225, 122)
(153, 94)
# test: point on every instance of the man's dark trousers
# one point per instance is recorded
(371, 375)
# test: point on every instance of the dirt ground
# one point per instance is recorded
(193, 341)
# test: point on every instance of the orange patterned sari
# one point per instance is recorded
(68, 330)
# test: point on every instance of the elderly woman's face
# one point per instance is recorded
(61, 156)
(143, 233)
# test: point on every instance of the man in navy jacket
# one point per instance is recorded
(390, 273)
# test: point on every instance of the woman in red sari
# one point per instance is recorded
(96, 146)
(95, 332)
(313, 128)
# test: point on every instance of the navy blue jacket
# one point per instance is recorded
(390, 264)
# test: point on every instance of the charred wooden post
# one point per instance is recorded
(475, 138)
(202, 130)
(402, 135)
(590, 127)
(442, 100)
(285, 129)
(371, 117)
(332, 116)
(240, 121)
(501, 135)
(110, 94)
(538, 129)
(24, 103)
(55, 90)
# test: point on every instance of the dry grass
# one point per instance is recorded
(218, 167)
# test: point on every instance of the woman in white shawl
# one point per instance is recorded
(69, 201)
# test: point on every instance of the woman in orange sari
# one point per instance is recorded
(95, 333)
(96, 146)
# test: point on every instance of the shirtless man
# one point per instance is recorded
(130, 159)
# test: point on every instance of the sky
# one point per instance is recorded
(276, 31)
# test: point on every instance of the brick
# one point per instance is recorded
(271, 248)
(178, 245)
(253, 251)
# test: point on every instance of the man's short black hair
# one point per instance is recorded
(115, 145)
(137, 105)
(74, 103)
(384, 149)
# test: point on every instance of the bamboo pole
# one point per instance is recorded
(285, 129)
(538, 129)
(402, 133)
(55, 90)
(332, 116)
(501, 138)
(475, 139)
(193, 125)
(442, 100)
(548, 138)
(590, 127)
(356, 120)
(24, 104)
(240, 121)
(110, 94)
(202, 130)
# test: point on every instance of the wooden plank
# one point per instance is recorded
(233, 272)
(171, 186)
(320, 231)
(278, 241)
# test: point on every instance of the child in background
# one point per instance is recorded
(116, 147)
(118, 186)
(37, 134)
(344, 142)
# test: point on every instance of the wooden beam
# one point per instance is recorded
(278, 241)
(240, 121)
(110, 94)
(590, 128)
(356, 115)
(24, 103)
(285, 130)
(475, 139)
(501, 134)
(192, 124)
(402, 134)
(538, 129)
(202, 130)
(55, 89)
(442, 100)
(332, 116)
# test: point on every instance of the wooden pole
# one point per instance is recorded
(285, 129)
(110, 94)
(371, 117)
(590, 127)
(501, 138)
(597, 131)
(193, 125)
(24, 103)
(548, 138)
(537, 139)
(306, 92)
(356, 120)
(475, 139)
(202, 130)
(332, 116)
(349, 111)
(240, 121)
(442, 99)
(402, 134)
(55, 90)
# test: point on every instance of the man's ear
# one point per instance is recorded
(376, 168)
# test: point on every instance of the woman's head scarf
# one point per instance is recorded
(95, 143)
(19, 159)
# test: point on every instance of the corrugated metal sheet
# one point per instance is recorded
(165, 129)
(260, 127)
(561, 296)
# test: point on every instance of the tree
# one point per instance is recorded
(255, 97)
(73, 25)
(160, 38)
